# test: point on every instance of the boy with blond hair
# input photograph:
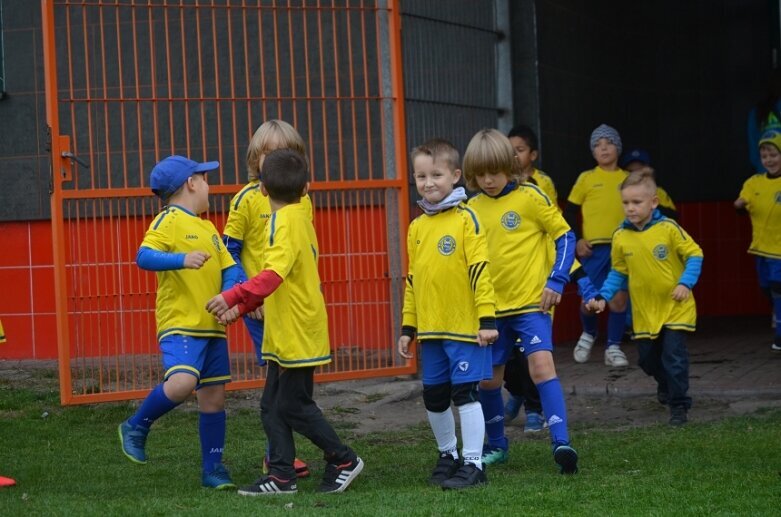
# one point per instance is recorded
(449, 310)
(596, 195)
(520, 221)
(661, 263)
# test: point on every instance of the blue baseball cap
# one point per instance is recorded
(635, 155)
(171, 173)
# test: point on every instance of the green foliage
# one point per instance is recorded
(67, 462)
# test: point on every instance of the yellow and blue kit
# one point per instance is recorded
(519, 225)
(449, 287)
(763, 196)
(598, 193)
(243, 235)
(654, 261)
(297, 332)
(182, 293)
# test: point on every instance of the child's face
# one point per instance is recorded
(639, 204)
(523, 153)
(434, 179)
(605, 153)
(492, 184)
(771, 159)
(200, 187)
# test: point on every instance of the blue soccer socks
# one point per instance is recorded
(212, 430)
(616, 325)
(154, 406)
(552, 398)
(493, 412)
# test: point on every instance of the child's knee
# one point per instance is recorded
(436, 397)
(619, 302)
(179, 386)
(465, 393)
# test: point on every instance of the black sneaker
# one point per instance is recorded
(447, 465)
(467, 476)
(270, 485)
(662, 397)
(678, 416)
(567, 458)
(338, 477)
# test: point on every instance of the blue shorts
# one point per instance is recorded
(597, 266)
(204, 357)
(532, 331)
(768, 270)
(455, 362)
(255, 329)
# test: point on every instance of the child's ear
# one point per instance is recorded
(457, 174)
(305, 190)
(263, 190)
(533, 155)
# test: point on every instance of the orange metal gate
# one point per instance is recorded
(130, 82)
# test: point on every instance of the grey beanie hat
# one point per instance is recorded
(605, 131)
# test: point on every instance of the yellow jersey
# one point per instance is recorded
(598, 192)
(520, 228)
(449, 286)
(182, 293)
(296, 322)
(653, 260)
(546, 184)
(763, 196)
(249, 212)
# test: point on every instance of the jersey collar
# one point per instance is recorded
(655, 218)
(511, 185)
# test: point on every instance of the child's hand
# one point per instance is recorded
(229, 316)
(550, 299)
(257, 314)
(487, 337)
(217, 306)
(403, 347)
(195, 259)
(740, 203)
(594, 306)
(583, 248)
(681, 292)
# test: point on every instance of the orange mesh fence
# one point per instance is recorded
(130, 82)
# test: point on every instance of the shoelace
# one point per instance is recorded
(137, 439)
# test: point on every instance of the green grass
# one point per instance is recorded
(69, 463)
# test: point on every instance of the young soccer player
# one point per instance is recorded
(449, 309)
(524, 142)
(635, 159)
(761, 198)
(661, 263)
(520, 222)
(192, 266)
(249, 212)
(295, 339)
(596, 194)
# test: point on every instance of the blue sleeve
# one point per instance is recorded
(154, 260)
(691, 272)
(234, 247)
(614, 282)
(565, 256)
(586, 288)
(231, 276)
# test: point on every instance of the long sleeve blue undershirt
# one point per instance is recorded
(154, 260)
(565, 256)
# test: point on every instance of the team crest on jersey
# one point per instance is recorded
(463, 366)
(216, 242)
(446, 245)
(511, 220)
(660, 252)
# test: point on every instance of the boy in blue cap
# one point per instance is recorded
(192, 265)
(635, 159)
